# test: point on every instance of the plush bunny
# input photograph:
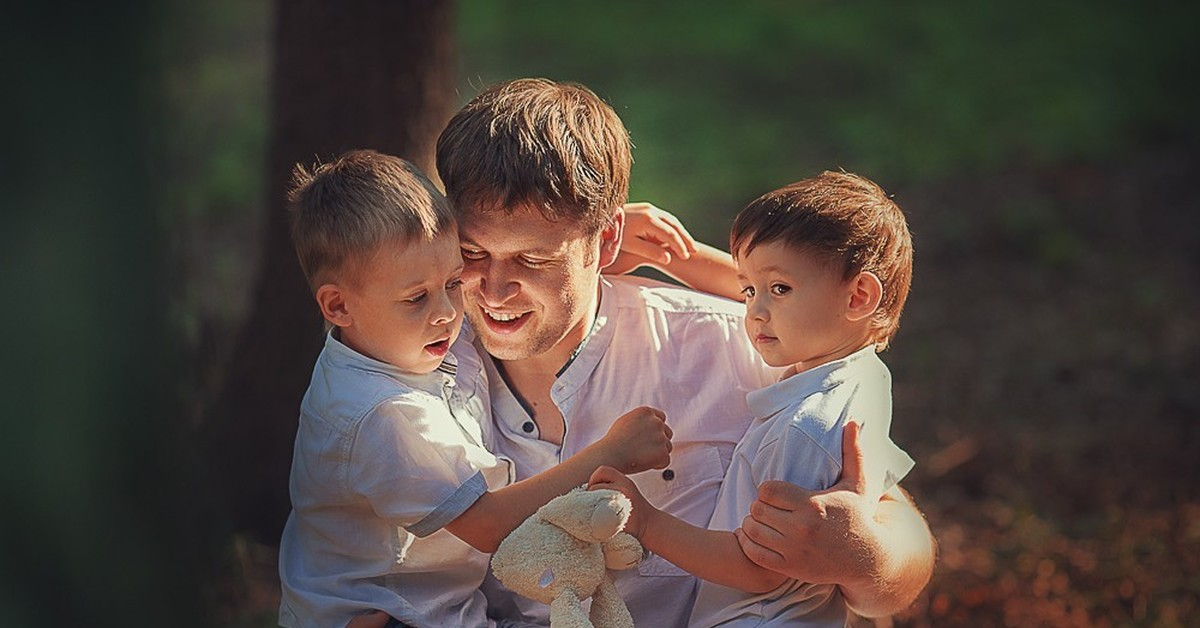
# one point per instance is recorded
(559, 554)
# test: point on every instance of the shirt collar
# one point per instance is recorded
(583, 360)
(766, 402)
(343, 356)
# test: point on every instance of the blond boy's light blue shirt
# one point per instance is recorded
(383, 460)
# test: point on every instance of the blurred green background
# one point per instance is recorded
(1046, 155)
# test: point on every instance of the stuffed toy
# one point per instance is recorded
(559, 554)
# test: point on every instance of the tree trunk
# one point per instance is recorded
(351, 74)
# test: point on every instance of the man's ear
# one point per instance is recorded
(866, 290)
(332, 300)
(610, 238)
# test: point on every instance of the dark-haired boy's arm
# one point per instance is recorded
(879, 552)
(656, 238)
(722, 560)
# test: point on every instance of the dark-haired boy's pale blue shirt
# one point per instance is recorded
(383, 460)
(797, 438)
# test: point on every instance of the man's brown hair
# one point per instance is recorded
(844, 219)
(537, 143)
(343, 210)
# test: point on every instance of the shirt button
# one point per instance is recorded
(668, 475)
(527, 427)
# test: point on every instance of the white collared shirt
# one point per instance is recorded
(383, 460)
(798, 438)
(662, 346)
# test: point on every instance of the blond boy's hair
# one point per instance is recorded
(843, 219)
(556, 147)
(342, 211)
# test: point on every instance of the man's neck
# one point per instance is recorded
(532, 379)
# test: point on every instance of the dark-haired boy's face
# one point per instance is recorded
(796, 307)
(529, 283)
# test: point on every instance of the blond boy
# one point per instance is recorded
(396, 497)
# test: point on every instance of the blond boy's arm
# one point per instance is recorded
(638, 440)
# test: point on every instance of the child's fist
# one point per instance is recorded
(640, 439)
(610, 478)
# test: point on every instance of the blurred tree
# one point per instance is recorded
(357, 74)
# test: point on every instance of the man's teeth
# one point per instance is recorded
(503, 318)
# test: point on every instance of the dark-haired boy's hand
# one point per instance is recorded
(652, 237)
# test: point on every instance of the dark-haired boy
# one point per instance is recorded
(825, 266)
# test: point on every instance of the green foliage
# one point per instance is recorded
(725, 101)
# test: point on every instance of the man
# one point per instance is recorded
(538, 172)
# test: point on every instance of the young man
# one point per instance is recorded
(537, 172)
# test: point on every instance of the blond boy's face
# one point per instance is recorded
(404, 304)
(796, 307)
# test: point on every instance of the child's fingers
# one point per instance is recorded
(674, 236)
(688, 242)
(648, 249)
(604, 475)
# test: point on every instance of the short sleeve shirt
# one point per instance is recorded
(657, 345)
(797, 438)
(383, 460)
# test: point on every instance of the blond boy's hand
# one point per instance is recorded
(610, 478)
(639, 440)
(652, 237)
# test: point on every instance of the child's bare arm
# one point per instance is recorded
(638, 440)
(721, 560)
(654, 237)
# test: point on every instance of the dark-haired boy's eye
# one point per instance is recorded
(748, 291)
(779, 289)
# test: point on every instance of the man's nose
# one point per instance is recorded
(492, 280)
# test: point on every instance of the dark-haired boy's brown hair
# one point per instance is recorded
(342, 211)
(556, 147)
(844, 219)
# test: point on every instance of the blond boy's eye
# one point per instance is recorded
(454, 283)
(416, 299)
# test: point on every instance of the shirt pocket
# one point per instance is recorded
(687, 489)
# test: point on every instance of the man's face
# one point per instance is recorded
(529, 284)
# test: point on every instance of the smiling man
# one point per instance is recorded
(537, 172)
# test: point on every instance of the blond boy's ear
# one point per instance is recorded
(610, 238)
(866, 290)
(332, 300)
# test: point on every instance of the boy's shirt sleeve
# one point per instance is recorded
(416, 466)
(809, 454)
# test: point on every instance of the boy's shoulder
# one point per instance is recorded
(346, 387)
(859, 390)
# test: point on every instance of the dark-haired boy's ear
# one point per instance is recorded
(610, 238)
(866, 290)
(333, 305)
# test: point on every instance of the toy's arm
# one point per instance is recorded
(655, 238)
(721, 560)
(880, 553)
(638, 440)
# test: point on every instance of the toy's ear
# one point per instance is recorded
(592, 516)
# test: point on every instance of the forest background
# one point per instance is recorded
(1045, 371)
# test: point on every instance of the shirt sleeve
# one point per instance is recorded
(412, 462)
